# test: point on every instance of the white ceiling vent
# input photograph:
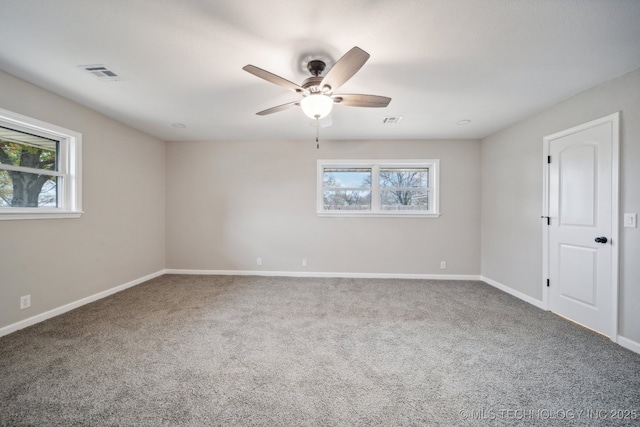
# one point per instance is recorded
(390, 120)
(102, 72)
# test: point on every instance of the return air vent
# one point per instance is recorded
(390, 120)
(102, 72)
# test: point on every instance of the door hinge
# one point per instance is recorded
(548, 159)
(548, 283)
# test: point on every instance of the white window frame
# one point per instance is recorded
(69, 168)
(375, 165)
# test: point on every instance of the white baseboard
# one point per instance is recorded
(325, 274)
(629, 344)
(68, 307)
(514, 293)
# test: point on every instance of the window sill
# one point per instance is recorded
(25, 215)
(361, 214)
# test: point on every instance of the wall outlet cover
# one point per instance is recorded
(25, 302)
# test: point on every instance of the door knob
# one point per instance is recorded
(601, 240)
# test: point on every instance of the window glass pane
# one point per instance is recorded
(23, 189)
(404, 178)
(346, 200)
(404, 200)
(31, 151)
(347, 178)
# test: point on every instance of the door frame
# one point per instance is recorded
(614, 119)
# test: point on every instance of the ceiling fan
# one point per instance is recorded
(318, 92)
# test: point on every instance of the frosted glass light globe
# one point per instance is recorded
(316, 106)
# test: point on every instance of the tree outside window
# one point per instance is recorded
(32, 188)
(404, 189)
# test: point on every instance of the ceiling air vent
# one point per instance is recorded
(102, 72)
(390, 120)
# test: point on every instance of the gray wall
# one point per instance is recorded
(120, 237)
(231, 202)
(512, 193)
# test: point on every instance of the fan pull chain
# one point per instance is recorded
(317, 133)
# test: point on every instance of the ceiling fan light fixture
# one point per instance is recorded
(318, 92)
(316, 105)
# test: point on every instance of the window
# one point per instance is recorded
(346, 189)
(378, 188)
(39, 169)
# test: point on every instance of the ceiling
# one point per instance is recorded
(492, 62)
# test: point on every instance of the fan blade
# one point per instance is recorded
(272, 78)
(345, 68)
(278, 108)
(358, 100)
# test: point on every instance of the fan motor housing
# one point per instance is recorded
(312, 84)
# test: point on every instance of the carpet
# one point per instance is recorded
(184, 350)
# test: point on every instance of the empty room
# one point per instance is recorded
(303, 213)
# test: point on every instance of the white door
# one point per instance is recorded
(582, 229)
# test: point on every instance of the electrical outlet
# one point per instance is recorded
(304, 262)
(259, 261)
(25, 302)
(443, 265)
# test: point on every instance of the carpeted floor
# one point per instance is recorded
(273, 351)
